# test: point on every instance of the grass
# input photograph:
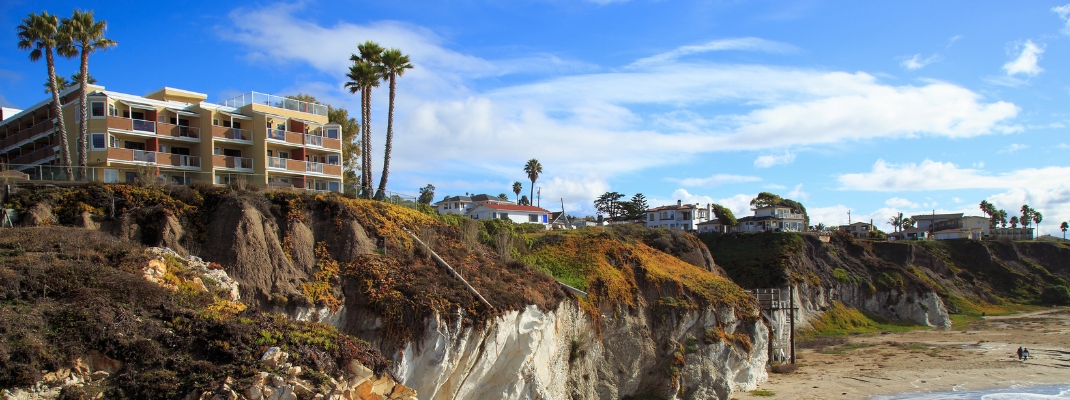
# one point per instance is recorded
(842, 320)
(762, 393)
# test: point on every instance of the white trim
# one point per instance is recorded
(182, 112)
(140, 106)
(237, 116)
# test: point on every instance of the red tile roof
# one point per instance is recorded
(514, 207)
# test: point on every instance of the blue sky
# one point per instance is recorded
(905, 106)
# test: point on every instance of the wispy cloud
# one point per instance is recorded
(1064, 14)
(935, 175)
(1013, 148)
(769, 160)
(743, 44)
(1026, 62)
(899, 202)
(718, 179)
(915, 62)
(798, 194)
(956, 38)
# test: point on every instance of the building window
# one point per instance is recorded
(533, 217)
(215, 122)
(111, 175)
(226, 124)
(99, 141)
(112, 110)
(97, 108)
(237, 125)
(135, 145)
(112, 141)
(334, 186)
(333, 160)
(332, 133)
(503, 215)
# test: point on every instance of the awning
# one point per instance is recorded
(236, 116)
(183, 112)
(306, 122)
(141, 106)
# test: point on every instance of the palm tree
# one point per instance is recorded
(1014, 221)
(1002, 218)
(985, 207)
(1037, 217)
(517, 187)
(394, 65)
(1027, 216)
(1064, 226)
(533, 169)
(896, 221)
(61, 84)
(364, 74)
(40, 32)
(82, 36)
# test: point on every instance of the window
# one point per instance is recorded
(180, 150)
(112, 110)
(226, 124)
(99, 141)
(111, 175)
(135, 145)
(334, 186)
(333, 160)
(138, 115)
(215, 121)
(126, 114)
(237, 125)
(97, 108)
(215, 150)
(533, 217)
(182, 122)
(503, 215)
(651, 216)
(332, 133)
(163, 119)
(112, 141)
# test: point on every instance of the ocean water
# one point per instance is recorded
(1022, 392)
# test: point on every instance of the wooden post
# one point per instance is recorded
(791, 319)
(443, 263)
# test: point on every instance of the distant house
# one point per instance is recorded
(1012, 233)
(510, 212)
(712, 226)
(969, 227)
(680, 216)
(925, 221)
(909, 234)
(582, 223)
(859, 229)
(772, 218)
(461, 204)
(558, 220)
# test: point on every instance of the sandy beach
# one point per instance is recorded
(978, 356)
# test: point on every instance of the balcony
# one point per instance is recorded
(141, 125)
(232, 162)
(26, 134)
(127, 124)
(276, 162)
(178, 131)
(276, 134)
(33, 157)
(277, 102)
(220, 132)
(314, 167)
(153, 157)
(313, 140)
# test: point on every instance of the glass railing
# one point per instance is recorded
(144, 126)
(144, 156)
(276, 162)
(314, 167)
(276, 101)
(276, 134)
(189, 131)
(239, 134)
(189, 161)
(242, 163)
(313, 140)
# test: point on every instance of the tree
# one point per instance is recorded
(427, 194)
(517, 188)
(533, 169)
(365, 73)
(350, 144)
(724, 215)
(394, 65)
(39, 33)
(896, 221)
(1037, 217)
(524, 201)
(1064, 226)
(1001, 217)
(82, 36)
(907, 223)
(1027, 216)
(765, 199)
(609, 204)
(634, 209)
(503, 196)
(1014, 221)
(62, 83)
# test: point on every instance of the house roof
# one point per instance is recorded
(711, 222)
(672, 207)
(513, 207)
(455, 198)
(936, 216)
(956, 230)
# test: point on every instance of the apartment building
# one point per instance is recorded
(174, 136)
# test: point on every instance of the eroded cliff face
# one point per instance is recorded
(921, 307)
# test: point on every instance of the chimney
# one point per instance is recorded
(679, 203)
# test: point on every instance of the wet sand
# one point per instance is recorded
(979, 356)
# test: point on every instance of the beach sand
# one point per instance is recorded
(981, 355)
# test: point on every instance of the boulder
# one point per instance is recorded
(274, 357)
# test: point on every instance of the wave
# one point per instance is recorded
(1018, 392)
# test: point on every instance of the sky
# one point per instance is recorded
(871, 108)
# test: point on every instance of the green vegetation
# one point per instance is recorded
(841, 320)
(755, 260)
(762, 393)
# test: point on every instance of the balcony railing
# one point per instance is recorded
(179, 131)
(276, 162)
(276, 134)
(144, 156)
(276, 101)
(141, 125)
(314, 167)
(313, 140)
(238, 134)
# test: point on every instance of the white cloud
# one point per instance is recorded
(798, 193)
(934, 175)
(956, 38)
(775, 186)
(899, 202)
(1026, 63)
(719, 179)
(1063, 146)
(770, 160)
(745, 44)
(956, 199)
(1013, 148)
(915, 62)
(576, 192)
(1064, 14)
(1053, 203)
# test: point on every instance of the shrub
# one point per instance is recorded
(1057, 295)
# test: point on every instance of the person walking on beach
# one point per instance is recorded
(1019, 353)
(1025, 354)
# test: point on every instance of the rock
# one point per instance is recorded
(100, 362)
(402, 392)
(293, 371)
(361, 391)
(39, 215)
(98, 375)
(383, 386)
(154, 272)
(359, 370)
(274, 357)
(253, 393)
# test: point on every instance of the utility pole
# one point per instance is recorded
(538, 201)
(848, 217)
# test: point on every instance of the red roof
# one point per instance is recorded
(514, 207)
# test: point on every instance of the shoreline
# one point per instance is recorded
(982, 356)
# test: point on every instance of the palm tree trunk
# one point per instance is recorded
(389, 138)
(368, 180)
(531, 191)
(83, 134)
(64, 150)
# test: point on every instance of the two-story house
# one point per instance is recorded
(859, 229)
(510, 212)
(681, 216)
(772, 218)
(462, 204)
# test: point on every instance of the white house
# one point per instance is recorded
(924, 221)
(461, 204)
(711, 226)
(681, 216)
(771, 218)
(511, 212)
